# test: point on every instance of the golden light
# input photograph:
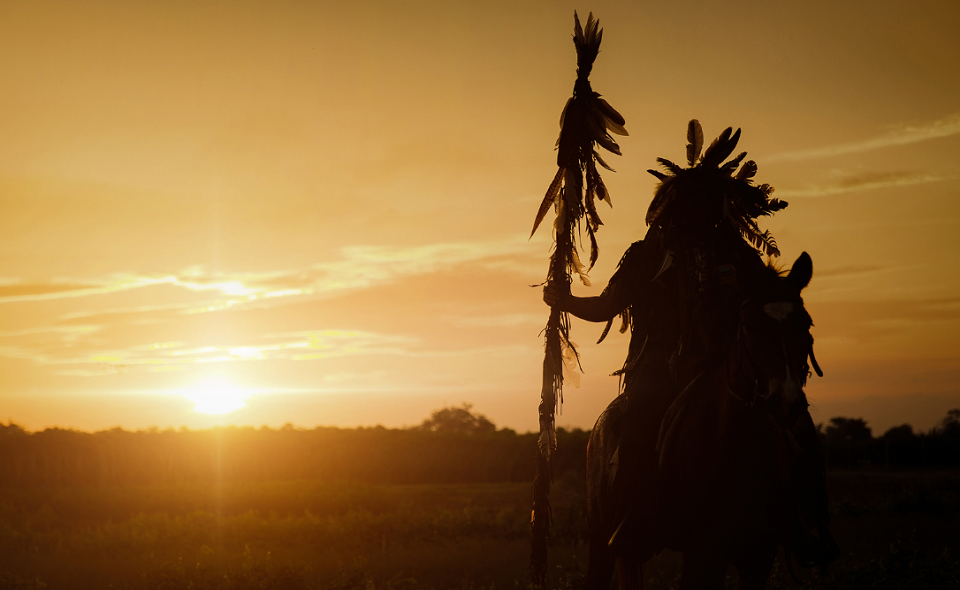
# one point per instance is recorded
(217, 397)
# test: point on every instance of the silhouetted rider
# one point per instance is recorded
(679, 291)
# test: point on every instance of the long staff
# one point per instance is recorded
(586, 122)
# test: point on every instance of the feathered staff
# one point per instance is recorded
(585, 123)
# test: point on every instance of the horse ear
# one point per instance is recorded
(801, 272)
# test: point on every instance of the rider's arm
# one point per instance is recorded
(600, 308)
(616, 297)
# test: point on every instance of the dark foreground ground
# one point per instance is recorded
(897, 530)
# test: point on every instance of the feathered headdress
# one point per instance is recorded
(708, 192)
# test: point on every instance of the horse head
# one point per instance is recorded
(775, 339)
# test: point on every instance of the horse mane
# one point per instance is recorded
(772, 269)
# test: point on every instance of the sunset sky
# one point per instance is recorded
(321, 210)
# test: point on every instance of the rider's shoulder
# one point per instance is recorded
(632, 256)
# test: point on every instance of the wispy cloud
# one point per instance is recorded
(84, 340)
(353, 268)
(15, 288)
(50, 292)
(165, 356)
(845, 271)
(368, 266)
(903, 135)
(862, 182)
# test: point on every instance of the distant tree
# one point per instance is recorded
(950, 425)
(943, 441)
(897, 433)
(11, 429)
(901, 447)
(458, 420)
(851, 429)
(848, 442)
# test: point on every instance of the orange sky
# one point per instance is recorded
(323, 209)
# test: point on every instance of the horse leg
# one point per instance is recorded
(631, 573)
(754, 570)
(702, 572)
(600, 566)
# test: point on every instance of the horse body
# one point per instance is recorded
(722, 491)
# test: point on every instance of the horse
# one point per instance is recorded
(726, 483)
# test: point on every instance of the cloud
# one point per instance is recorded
(18, 289)
(355, 267)
(82, 339)
(368, 266)
(903, 135)
(843, 271)
(862, 182)
(885, 325)
(67, 333)
(124, 283)
(163, 356)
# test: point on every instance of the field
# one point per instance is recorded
(897, 530)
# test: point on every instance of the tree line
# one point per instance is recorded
(454, 445)
(849, 443)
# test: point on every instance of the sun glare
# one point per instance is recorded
(217, 397)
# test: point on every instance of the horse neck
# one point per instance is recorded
(738, 417)
(738, 378)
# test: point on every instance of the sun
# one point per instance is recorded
(217, 397)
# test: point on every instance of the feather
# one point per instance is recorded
(748, 171)
(730, 166)
(694, 141)
(560, 221)
(577, 267)
(669, 165)
(587, 41)
(606, 330)
(571, 362)
(600, 161)
(602, 193)
(763, 241)
(549, 199)
(563, 114)
(813, 361)
(594, 247)
(721, 148)
(661, 199)
(613, 127)
(716, 142)
(607, 143)
(547, 440)
(769, 244)
(776, 205)
(596, 125)
(593, 218)
(611, 113)
(660, 175)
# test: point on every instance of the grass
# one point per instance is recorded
(897, 530)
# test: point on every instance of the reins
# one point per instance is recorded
(742, 353)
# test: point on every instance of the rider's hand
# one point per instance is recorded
(555, 297)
